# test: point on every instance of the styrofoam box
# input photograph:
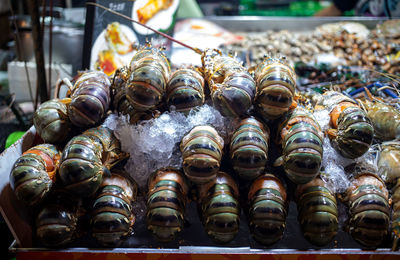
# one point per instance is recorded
(18, 78)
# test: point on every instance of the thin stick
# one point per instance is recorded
(50, 44)
(197, 50)
(42, 28)
(37, 33)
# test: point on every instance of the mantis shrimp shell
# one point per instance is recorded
(90, 99)
(268, 209)
(185, 90)
(86, 158)
(51, 121)
(385, 119)
(220, 208)
(113, 215)
(120, 102)
(34, 173)
(57, 221)
(201, 151)
(352, 130)
(369, 209)
(232, 87)
(302, 140)
(396, 214)
(166, 201)
(318, 213)
(249, 148)
(389, 165)
(149, 74)
(276, 83)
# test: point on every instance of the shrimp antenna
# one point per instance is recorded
(391, 76)
(391, 88)
(197, 50)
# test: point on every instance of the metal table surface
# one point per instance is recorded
(258, 23)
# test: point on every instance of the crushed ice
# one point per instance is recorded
(111, 121)
(333, 163)
(334, 166)
(323, 118)
(154, 143)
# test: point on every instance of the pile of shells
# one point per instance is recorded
(349, 43)
(368, 52)
(297, 47)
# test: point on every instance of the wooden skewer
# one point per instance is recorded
(197, 50)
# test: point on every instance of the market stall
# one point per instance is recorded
(280, 141)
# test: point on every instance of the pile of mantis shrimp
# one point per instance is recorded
(75, 180)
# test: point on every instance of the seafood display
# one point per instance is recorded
(250, 137)
(318, 212)
(113, 215)
(249, 148)
(231, 85)
(201, 152)
(296, 46)
(220, 208)
(166, 201)
(268, 209)
(302, 140)
(34, 173)
(367, 52)
(345, 43)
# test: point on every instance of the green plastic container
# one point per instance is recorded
(13, 137)
(297, 8)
